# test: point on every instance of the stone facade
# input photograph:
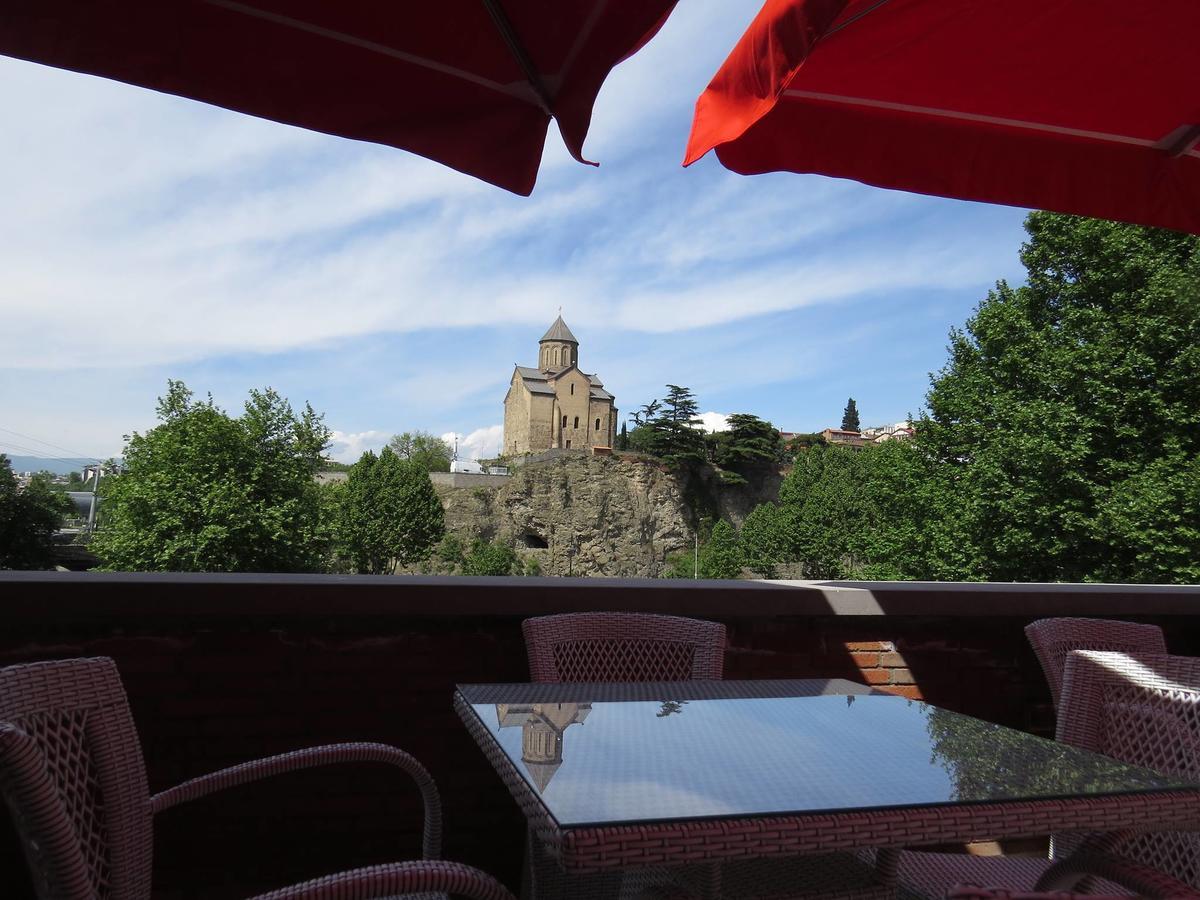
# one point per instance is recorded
(556, 406)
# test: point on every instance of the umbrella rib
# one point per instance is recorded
(518, 91)
(517, 49)
(854, 18)
(978, 117)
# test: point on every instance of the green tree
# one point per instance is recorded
(427, 450)
(850, 416)
(765, 540)
(722, 556)
(680, 405)
(29, 517)
(623, 440)
(749, 441)
(391, 515)
(491, 559)
(674, 434)
(206, 492)
(1067, 419)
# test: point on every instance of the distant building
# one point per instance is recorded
(844, 438)
(557, 406)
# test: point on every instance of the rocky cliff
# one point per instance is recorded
(616, 516)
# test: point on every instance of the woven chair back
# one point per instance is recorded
(1053, 639)
(72, 775)
(1142, 709)
(590, 647)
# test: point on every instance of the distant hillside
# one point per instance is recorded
(48, 464)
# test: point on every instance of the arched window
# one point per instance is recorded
(572, 389)
(566, 356)
(564, 421)
(597, 424)
(577, 421)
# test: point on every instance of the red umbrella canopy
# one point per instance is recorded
(469, 83)
(1079, 106)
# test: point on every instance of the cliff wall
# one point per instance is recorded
(615, 516)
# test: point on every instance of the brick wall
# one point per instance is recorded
(210, 689)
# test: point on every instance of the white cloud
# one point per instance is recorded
(220, 234)
(482, 443)
(348, 448)
(714, 421)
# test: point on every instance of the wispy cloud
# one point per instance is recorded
(144, 236)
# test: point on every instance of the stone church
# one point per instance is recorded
(557, 406)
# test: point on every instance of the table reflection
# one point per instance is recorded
(542, 728)
(646, 760)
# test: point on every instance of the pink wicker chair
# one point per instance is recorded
(1053, 639)
(1143, 710)
(623, 647)
(72, 774)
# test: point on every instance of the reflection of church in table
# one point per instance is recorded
(542, 727)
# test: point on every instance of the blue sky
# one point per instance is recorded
(144, 237)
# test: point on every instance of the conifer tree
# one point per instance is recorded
(850, 416)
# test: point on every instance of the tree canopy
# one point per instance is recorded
(207, 492)
(1068, 414)
(748, 441)
(390, 514)
(29, 517)
(427, 450)
(1061, 441)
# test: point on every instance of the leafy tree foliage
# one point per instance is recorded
(850, 416)
(427, 450)
(718, 557)
(1062, 439)
(766, 539)
(722, 557)
(749, 441)
(647, 412)
(28, 519)
(623, 438)
(801, 442)
(680, 405)
(206, 492)
(491, 558)
(1068, 415)
(673, 434)
(390, 514)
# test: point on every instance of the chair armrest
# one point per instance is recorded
(397, 878)
(309, 758)
(1143, 880)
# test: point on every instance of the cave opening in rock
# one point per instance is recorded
(534, 541)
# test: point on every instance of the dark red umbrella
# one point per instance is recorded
(469, 83)
(1079, 106)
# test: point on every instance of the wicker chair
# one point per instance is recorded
(1143, 710)
(588, 647)
(72, 774)
(1053, 639)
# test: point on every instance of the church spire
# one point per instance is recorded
(559, 332)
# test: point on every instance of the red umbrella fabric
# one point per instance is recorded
(469, 83)
(1079, 106)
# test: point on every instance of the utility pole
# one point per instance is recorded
(696, 558)
(91, 522)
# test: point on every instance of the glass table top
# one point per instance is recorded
(598, 763)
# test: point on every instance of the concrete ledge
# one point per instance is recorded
(467, 479)
(60, 597)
